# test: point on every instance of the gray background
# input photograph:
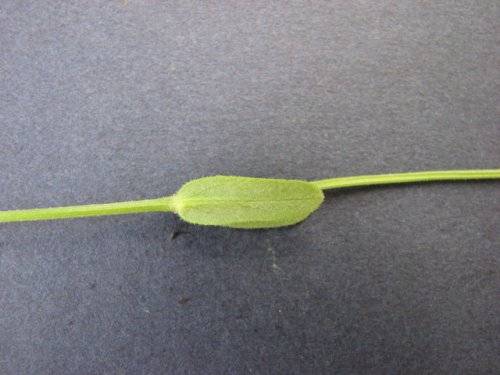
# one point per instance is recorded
(107, 101)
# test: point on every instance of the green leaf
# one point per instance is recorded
(245, 202)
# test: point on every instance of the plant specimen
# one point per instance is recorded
(243, 202)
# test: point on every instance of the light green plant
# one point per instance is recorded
(243, 202)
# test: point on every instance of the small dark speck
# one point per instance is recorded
(71, 322)
(183, 301)
(176, 233)
(92, 285)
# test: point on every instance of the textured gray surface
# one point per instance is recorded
(107, 101)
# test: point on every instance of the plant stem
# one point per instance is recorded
(397, 178)
(130, 207)
(168, 204)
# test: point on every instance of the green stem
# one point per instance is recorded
(118, 208)
(397, 178)
(168, 204)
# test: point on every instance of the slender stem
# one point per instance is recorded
(168, 204)
(130, 207)
(397, 178)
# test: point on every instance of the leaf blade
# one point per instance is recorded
(246, 202)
